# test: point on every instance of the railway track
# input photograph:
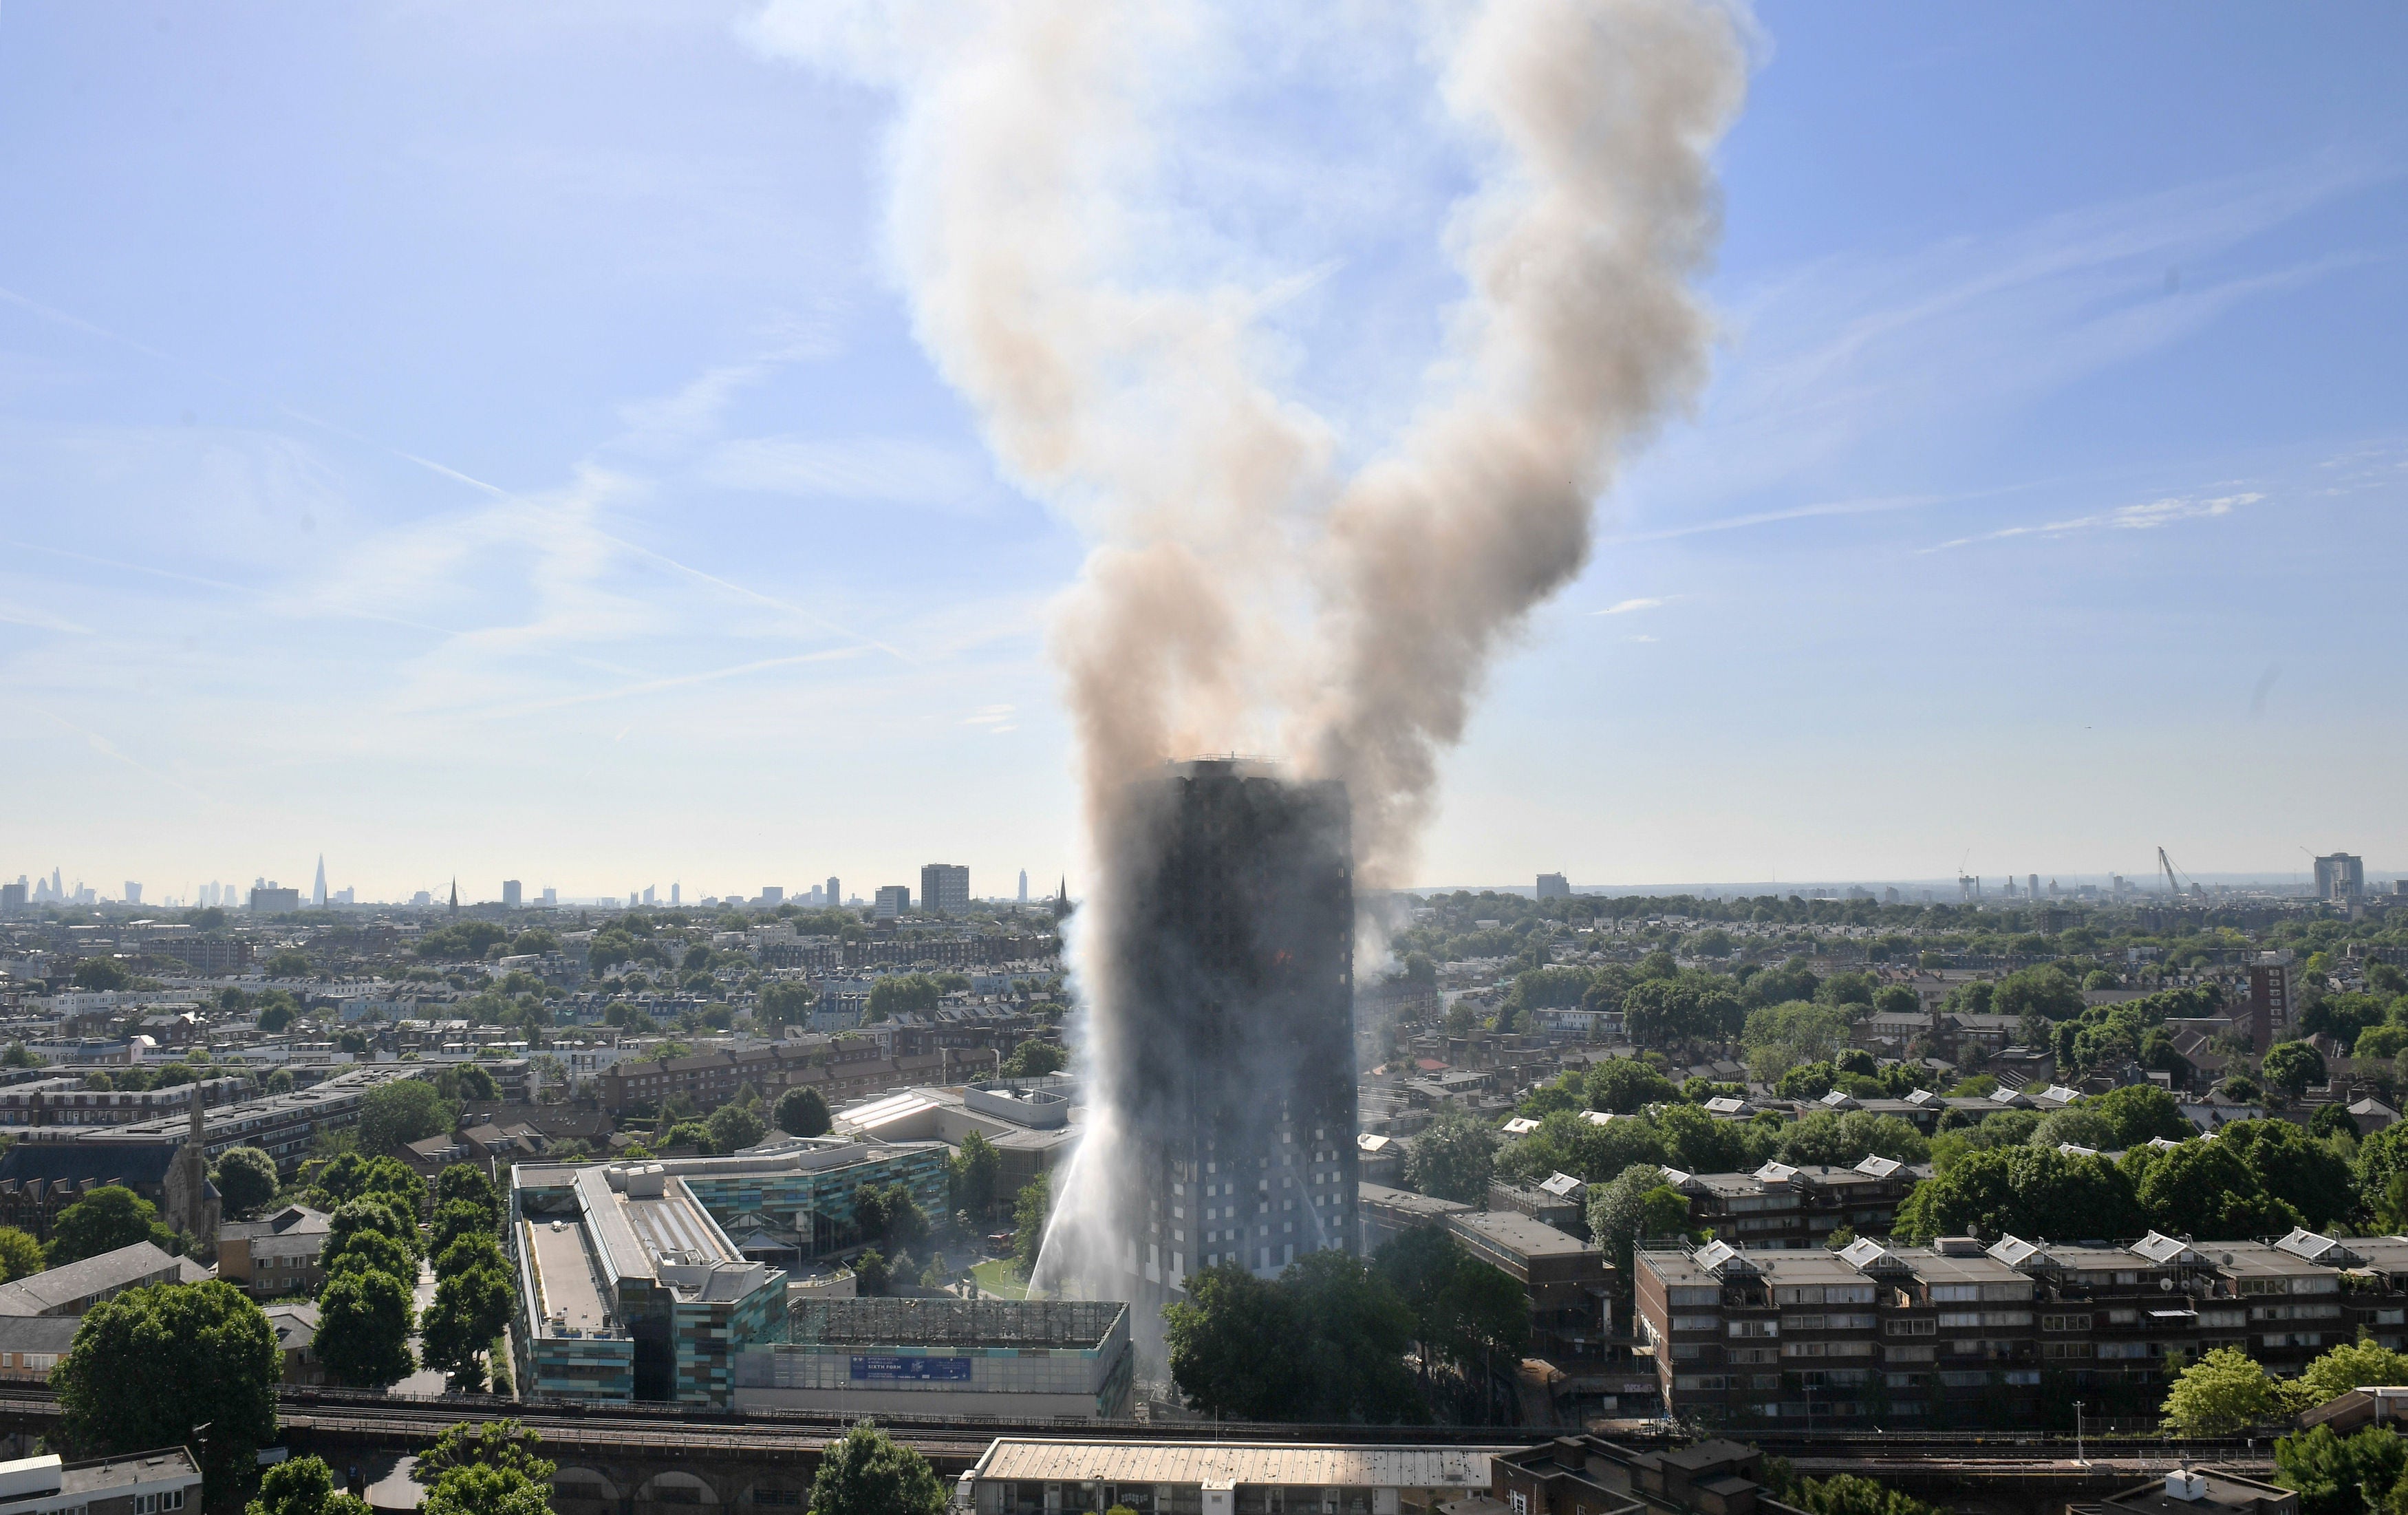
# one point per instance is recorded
(411, 1422)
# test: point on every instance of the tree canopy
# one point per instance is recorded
(1451, 1158)
(104, 1220)
(405, 1110)
(150, 1363)
(803, 1113)
(871, 1473)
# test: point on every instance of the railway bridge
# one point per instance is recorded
(671, 1460)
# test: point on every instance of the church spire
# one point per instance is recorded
(455, 895)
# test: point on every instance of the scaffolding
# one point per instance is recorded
(1073, 1323)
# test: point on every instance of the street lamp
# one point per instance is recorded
(2079, 1460)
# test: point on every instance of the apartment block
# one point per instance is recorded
(841, 1071)
(1957, 1334)
(1783, 1205)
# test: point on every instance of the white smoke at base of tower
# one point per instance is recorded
(1242, 591)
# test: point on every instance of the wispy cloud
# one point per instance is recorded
(1840, 367)
(2144, 517)
(886, 469)
(1628, 607)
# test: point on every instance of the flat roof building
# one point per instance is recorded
(629, 1290)
(1020, 1475)
(1011, 1358)
(143, 1483)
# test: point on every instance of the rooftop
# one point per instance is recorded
(1292, 1464)
(39, 1293)
(955, 1323)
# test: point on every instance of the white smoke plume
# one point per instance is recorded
(1243, 592)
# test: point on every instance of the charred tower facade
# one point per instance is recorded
(1236, 1076)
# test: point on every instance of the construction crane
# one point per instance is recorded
(2173, 884)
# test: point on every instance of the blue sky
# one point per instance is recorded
(488, 439)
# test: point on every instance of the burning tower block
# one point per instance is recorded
(1234, 1062)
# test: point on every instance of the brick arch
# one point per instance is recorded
(789, 1494)
(602, 1491)
(679, 1489)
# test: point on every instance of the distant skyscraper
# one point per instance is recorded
(318, 890)
(1024, 886)
(551, 898)
(944, 889)
(835, 895)
(893, 900)
(1553, 886)
(674, 893)
(2031, 881)
(773, 894)
(647, 893)
(132, 893)
(511, 892)
(2341, 878)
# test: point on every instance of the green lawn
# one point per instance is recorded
(1001, 1275)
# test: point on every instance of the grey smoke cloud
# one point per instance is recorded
(1242, 594)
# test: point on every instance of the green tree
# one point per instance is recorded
(463, 1183)
(405, 1110)
(363, 1325)
(368, 1251)
(100, 975)
(1231, 1345)
(468, 1252)
(1846, 1494)
(887, 1214)
(1625, 1086)
(977, 1176)
(1844, 1139)
(2291, 1066)
(487, 1490)
(2352, 1365)
(870, 1473)
(20, 1254)
(2290, 1163)
(1034, 1060)
(246, 1179)
(454, 1220)
(506, 1444)
(371, 1212)
(2026, 1191)
(288, 964)
(469, 1309)
(785, 1003)
(734, 1127)
(303, 1486)
(2141, 1111)
(903, 993)
(1780, 1036)
(2206, 1190)
(1030, 1211)
(104, 1220)
(149, 1365)
(2338, 1475)
(2222, 1394)
(1350, 1359)
(1451, 1158)
(802, 1112)
(2045, 993)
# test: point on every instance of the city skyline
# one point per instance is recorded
(474, 516)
